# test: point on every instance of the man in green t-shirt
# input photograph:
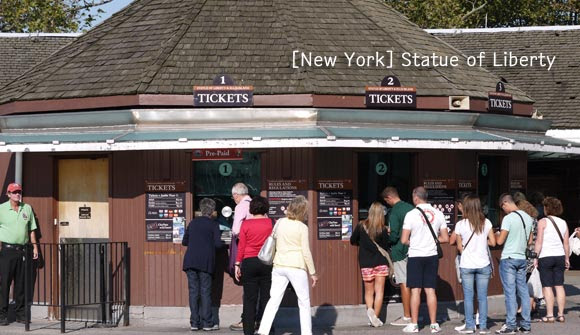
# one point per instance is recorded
(397, 214)
(17, 225)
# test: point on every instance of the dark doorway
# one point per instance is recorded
(377, 170)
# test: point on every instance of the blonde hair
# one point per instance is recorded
(375, 223)
(527, 207)
(473, 212)
(298, 209)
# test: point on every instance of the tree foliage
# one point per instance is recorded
(488, 13)
(49, 16)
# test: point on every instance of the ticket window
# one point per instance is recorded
(491, 171)
(214, 179)
(377, 170)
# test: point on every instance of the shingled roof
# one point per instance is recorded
(556, 92)
(20, 52)
(166, 46)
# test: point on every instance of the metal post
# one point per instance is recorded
(63, 288)
(103, 294)
(27, 284)
(126, 277)
(18, 167)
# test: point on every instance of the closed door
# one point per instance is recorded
(83, 198)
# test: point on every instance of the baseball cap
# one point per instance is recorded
(14, 187)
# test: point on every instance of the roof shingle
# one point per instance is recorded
(556, 92)
(167, 46)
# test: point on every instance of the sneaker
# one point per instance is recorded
(460, 328)
(466, 331)
(237, 326)
(411, 328)
(194, 328)
(524, 330)
(375, 322)
(484, 331)
(505, 330)
(214, 327)
(4, 322)
(401, 321)
(435, 328)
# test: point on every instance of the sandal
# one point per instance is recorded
(548, 319)
(561, 318)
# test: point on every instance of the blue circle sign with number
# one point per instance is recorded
(381, 168)
(225, 169)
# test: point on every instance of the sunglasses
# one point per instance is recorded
(16, 192)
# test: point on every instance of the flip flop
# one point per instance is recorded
(548, 319)
(561, 318)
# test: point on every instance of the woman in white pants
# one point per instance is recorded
(291, 261)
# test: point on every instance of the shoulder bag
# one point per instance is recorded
(458, 258)
(385, 254)
(529, 253)
(268, 250)
(439, 250)
(557, 229)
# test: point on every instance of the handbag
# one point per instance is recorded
(439, 249)
(529, 252)
(268, 250)
(385, 254)
(574, 241)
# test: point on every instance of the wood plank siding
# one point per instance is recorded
(156, 275)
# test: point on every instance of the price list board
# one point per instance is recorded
(163, 209)
(334, 219)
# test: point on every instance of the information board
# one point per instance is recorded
(334, 219)
(442, 197)
(162, 210)
(281, 192)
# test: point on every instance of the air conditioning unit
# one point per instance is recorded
(459, 102)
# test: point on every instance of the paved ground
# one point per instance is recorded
(570, 327)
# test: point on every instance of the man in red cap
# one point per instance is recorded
(17, 225)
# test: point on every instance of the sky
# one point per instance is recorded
(110, 9)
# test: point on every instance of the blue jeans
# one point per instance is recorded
(513, 279)
(199, 284)
(470, 279)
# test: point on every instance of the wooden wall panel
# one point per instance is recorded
(157, 278)
(38, 190)
(6, 173)
(336, 261)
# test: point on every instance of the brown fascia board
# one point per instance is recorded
(281, 100)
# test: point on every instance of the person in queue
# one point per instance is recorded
(202, 237)
(553, 249)
(17, 226)
(399, 209)
(423, 262)
(291, 262)
(256, 277)
(515, 235)
(241, 212)
(534, 285)
(370, 235)
(474, 234)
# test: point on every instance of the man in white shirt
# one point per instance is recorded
(423, 262)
